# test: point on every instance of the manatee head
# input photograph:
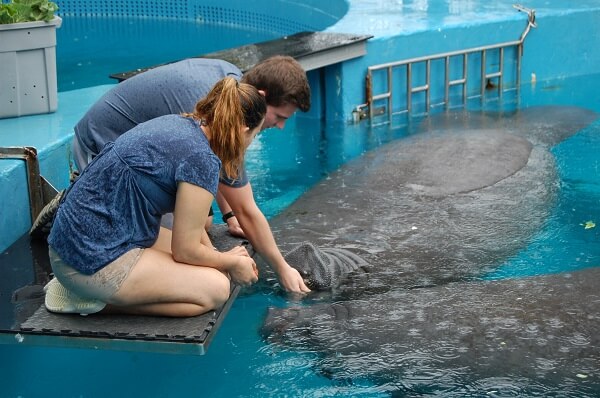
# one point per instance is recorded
(323, 269)
(314, 265)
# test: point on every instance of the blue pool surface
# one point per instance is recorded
(283, 165)
(297, 157)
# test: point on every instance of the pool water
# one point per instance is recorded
(283, 165)
(91, 49)
(570, 239)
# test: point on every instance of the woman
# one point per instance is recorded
(106, 243)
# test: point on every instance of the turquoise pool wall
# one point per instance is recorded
(565, 43)
(282, 17)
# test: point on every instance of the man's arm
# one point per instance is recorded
(258, 232)
(233, 225)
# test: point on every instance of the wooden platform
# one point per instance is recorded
(25, 269)
(312, 49)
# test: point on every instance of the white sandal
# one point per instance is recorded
(60, 300)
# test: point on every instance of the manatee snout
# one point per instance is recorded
(324, 268)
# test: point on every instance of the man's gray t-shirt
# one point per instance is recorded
(165, 90)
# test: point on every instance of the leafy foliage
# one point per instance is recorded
(27, 11)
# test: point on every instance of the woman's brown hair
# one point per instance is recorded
(227, 109)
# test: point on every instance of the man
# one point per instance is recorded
(175, 88)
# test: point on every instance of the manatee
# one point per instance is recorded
(446, 203)
(535, 336)
(544, 124)
(430, 213)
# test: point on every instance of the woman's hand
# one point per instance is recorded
(239, 250)
(243, 271)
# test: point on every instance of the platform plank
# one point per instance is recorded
(25, 269)
(312, 50)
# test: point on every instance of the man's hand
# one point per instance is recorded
(292, 281)
(234, 227)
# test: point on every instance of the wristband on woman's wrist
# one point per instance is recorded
(227, 216)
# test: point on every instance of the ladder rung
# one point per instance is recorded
(456, 82)
(381, 96)
(496, 74)
(420, 88)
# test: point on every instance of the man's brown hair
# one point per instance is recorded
(283, 80)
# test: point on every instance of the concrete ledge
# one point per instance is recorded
(313, 50)
(51, 135)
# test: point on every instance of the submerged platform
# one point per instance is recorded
(26, 269)
(313, 50)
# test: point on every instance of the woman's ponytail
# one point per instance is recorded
(227, 109)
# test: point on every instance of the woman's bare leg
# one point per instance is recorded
(157, 285)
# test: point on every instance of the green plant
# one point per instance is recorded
(27, 11)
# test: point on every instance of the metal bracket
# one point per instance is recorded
(530, 23)
(40, 190)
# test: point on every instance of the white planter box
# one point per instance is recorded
(28, 68)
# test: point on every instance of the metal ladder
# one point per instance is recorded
(370, 110)
(40, 190)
